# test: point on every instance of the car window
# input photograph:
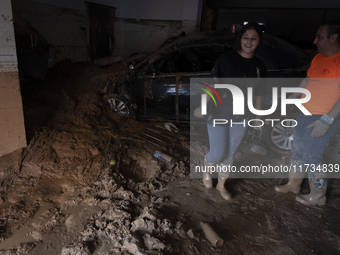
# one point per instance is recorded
(211, 53)
(194, 59)
(173, 63)
(278, 55)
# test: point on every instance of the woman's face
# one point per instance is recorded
(249, 41)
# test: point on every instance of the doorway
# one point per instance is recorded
(101, 27)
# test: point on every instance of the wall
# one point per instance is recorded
(290, 24)
(146, 35)
(134, 9)
(140, 25)
(292, 20)
(299, 4)
(12, 129)
(145, 25)
(63, 28)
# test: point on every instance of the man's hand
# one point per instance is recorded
(320, 128)
(197, 112)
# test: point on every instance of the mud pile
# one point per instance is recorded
(125, 222)
(73, 136)
(88, 184)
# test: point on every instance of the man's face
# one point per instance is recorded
(321, 41)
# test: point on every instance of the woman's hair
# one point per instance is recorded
(251, 25)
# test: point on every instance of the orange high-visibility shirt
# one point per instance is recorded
(324, 74)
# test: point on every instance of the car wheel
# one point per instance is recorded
(279, 138)
(120, 106)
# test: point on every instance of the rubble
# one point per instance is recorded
(65, 196)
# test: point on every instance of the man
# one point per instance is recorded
(313, 132)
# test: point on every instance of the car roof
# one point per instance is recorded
(227, 38)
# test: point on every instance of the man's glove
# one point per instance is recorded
(321, 125)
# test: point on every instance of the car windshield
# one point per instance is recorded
(191, 59)
(278, 54)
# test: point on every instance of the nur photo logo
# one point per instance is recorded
(204, 98)
(238, 103)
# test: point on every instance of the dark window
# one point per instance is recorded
(280, 55)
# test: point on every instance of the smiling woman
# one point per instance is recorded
(249, 42)
(224, 140)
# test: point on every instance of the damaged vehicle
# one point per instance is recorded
(158, 87)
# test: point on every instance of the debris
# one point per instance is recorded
(145, 140)
(190, 233)
(156, 191)
(148, 214)
(193, 235)
(211, 235)
(152, 137)
(107, 60)
(134, 59)
(259, 149)
(171, 127)
(131, 248)
(143, 225)
(163, 157)
(179, 230)
(78, 248)
(153, 243)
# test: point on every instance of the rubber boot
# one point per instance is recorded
(222, 177)
(318, 189)
(293, 184)
(207, 180)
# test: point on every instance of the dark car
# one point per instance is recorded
(159, 86)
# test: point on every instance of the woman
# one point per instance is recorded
(225, 139)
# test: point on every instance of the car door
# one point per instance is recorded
(167, 83)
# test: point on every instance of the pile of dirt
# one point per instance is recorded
(73, 137)
(88, 183)
(125, 223)
(107, 216)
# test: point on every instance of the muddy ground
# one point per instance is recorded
(61, 195)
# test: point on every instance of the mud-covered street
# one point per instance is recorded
(88, 184)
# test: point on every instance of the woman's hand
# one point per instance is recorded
(197, 112)
(258, 123)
